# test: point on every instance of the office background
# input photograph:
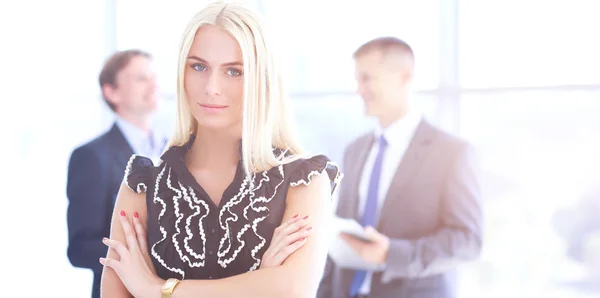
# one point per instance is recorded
(519, 79)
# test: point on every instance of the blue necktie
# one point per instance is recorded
(152, 145)
(370, 209)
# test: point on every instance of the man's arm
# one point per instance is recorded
(87, 185)
(460, 237)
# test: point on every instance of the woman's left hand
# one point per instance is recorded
(132, 267)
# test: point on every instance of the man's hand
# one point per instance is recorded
(374, 251)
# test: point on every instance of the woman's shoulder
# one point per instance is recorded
(301, 170)
(138, 173)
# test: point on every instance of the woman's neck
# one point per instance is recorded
(214, 149)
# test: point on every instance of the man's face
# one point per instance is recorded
(381, 82)
(135, 89)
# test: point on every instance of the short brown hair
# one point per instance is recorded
(384, 45)
(113, 65)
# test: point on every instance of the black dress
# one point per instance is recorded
(189, 237)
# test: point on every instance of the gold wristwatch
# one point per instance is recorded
(168, 287)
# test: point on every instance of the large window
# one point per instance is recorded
(528, 43)
(539, 153)
(157, 27)
(316, 38)
(319, 37)
(328, 123)
(538, 149)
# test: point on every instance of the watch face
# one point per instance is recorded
(168, 284)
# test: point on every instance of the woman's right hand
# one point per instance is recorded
(287, 238)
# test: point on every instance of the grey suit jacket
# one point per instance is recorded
(431, 214)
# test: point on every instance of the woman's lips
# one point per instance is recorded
(212, 107)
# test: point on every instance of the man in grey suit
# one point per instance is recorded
(414, 187)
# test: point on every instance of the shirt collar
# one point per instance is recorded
(402, 129)
(136, 136)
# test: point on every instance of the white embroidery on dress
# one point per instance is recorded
(256, 221)
(128, 170)
(227, 251)
(265, 178)
(189, 235)
(336, 180)
(156, 199)
(221, 253)
(179, 217)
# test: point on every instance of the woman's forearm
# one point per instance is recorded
(270, 282)
(111, 286)
(300, 275)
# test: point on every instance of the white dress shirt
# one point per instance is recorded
(398, 137)
(145, 143)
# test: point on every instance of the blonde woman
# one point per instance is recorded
(234, 209)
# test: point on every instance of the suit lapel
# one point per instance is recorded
(121, 152)
(120, 145)
(409, 164)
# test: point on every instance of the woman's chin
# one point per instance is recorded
(215, 123)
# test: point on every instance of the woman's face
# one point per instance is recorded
(214, 79)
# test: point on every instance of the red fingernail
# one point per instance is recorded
(122, 213)
(309, 228)
(305, 217)
(135, 214)
(295, 216)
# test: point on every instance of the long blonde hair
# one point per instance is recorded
(266, 124)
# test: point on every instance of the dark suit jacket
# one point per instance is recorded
(431, 214)
(95, 174)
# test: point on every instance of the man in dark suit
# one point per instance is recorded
(414, 187)
(96, 169)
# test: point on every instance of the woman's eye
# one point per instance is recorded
(234, 72)
(198, 67)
